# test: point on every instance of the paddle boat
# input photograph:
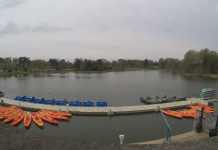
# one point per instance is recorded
(76, 103)
(1, 94)
(49, 102)
(62, 102)
(101, 103)
(38, 101)
(20, 98)
(28, 99)
(88, 103)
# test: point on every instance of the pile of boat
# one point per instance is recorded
(62, 102)
(207, 93)
(1, 94)
(158, 100)
(191, 113)
(16, 116)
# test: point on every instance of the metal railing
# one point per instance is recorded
(167, 138)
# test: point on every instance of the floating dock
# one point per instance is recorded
(106, 110)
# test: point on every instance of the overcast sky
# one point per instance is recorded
(110, 29)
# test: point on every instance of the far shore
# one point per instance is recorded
(214, 76)
(68, 71)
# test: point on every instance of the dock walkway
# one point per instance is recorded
(189, 136)
(106, 110)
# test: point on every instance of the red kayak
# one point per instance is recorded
(27, 119)
(36, 119)
(46, 118)
(12, 116)
(56, 116)
(19, 118)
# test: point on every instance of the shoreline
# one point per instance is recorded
(68, 71)
(214, 76)
(20, 139)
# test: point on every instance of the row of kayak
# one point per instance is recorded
(17, 115)
(191, 113)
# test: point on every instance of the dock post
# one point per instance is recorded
(2, 101)
(67, 108)
(121, 139)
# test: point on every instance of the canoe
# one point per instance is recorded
(36, 119)
(19, 118)
(46, 118)
(12, 116)
(55, 116)
(159, 100)
(208, 90)
(150, 101)
(27, 119)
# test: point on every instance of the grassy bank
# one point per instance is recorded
(214, 76)
(67, 71)
(136, 69)
(48, 72)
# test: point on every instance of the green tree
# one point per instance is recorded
(23, 62)
(54, 63)
(146, 63)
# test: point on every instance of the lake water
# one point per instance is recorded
(117, 88)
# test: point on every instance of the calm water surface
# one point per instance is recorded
(117, 88)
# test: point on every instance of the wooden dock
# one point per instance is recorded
(189, 136)
(106, 110)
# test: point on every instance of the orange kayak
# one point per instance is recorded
(46, 118)
(174, 114)
(56, 116)
(12, 116)
(19, 118)
(57, 113)
(36, 119)
(184, 114)
(27, 119)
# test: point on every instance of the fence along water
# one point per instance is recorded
(208, 121)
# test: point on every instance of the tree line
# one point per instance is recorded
(204, 61)
(24, 64)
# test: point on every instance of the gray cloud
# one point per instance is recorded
(11, 3)
(108, 29)
(13, 28)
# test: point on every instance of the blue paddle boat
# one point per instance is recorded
(101, 103)
(28, 99)
(62, 102)
(1, 94)
(75, 103)
(88, 103)
(38, 101)
(49, 102)
(20, 98)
